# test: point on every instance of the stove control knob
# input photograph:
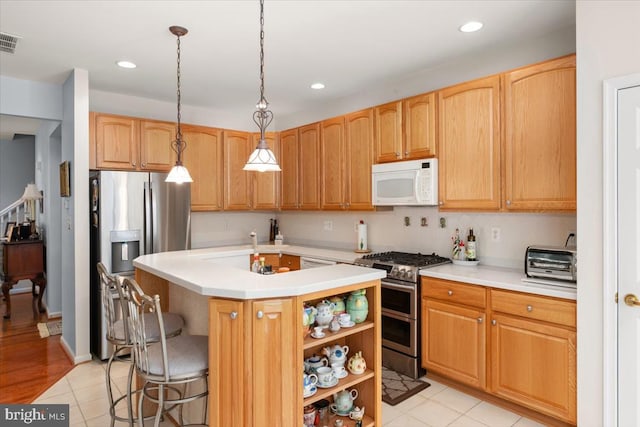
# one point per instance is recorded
(409, 275)
(402, 273)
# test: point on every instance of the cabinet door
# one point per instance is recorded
(469, 145)
(534, 364)
(420, 126)
(117, 142)
(266, 184)
(359, 158)
(388, 136)
(309, 178)
(274, 383)
(454, 342)
(203, 159)
(156, 139)
(227, 323)
(237, 189)
(332, 164)
(289, 163)
(540, 136)
(291, 261)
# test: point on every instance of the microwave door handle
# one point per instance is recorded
(416, 186)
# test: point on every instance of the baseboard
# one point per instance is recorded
(52, 314)
(75, 359)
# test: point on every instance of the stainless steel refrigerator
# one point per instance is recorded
(131, 214)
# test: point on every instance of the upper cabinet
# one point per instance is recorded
(540, 136)
(469, 145)
(309, 166)
(406, 129)
(127, 143)
(346, 156)
(246, 190)
(289, 163)
(203, 159)
(389, 145)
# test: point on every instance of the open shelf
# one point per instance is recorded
(329, 337)
(345, 383)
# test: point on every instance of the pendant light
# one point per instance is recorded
(178, 173)
(262, 159)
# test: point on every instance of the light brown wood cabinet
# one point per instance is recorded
(454, 331)
(469, 145)
(533, 352)
(246, 190)
(300, 179)
(406, 129)
(290, 261)
(347, 156)
(128, 143)
(540, 136)
(517, 346)
(203, 159)
(258, 341)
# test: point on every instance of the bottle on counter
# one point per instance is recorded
(471, 246)
(276, 229)
(462, 254)
(272, 234)
(261, 269)
(255, 266)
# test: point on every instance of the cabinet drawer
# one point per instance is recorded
(552, 310)
(456, 292)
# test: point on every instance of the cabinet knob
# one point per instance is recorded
(133, 163)
(479, 319)
(493, 322)
(406, 153)
(397, 154)
(529, 308)
(440, 202)
(233, 315)
(144, 165)
(260, 314)
(450, 293)
(348, 204)
(508, 202)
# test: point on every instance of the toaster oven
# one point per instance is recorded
(551, 262)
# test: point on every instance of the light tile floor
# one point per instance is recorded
(437, 406)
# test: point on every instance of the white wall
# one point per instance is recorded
(30, 99)
(228, 228)
(607, 41)
(16, 168)
(386, 231)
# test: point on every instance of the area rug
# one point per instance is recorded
(398, 387)
(50, 328)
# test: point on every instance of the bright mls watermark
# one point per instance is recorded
(34, 415)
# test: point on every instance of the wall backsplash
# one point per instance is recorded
(386, 230)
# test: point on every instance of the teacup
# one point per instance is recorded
(339, 370)
(314, 362)
(325, 376)
(309, 381)
(344, 318)
(318, 331)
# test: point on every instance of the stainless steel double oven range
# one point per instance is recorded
(401, 307)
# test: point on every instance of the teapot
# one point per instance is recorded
(357, 413)
(338, 303)
(343, 401)
(357, 365)
(324, 313)
(308, 316)
(314, 362)
(336, 353)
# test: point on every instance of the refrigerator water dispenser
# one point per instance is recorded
(125, 247)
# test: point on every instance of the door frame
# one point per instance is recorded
(611, 88)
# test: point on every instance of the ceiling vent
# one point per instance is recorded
(8, 42)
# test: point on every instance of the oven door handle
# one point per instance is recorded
(397, 316)
(395, 285)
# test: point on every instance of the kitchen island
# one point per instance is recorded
(257, 343)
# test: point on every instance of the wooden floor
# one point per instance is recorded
(28, 364)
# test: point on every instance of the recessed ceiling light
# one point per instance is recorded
(471, 26)
(126, 64)
(317, 86)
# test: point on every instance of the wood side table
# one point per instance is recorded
(23, 260)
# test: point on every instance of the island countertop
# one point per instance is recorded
(224, 272)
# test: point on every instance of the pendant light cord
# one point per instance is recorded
(262, 103)
(180, 145)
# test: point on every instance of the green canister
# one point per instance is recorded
(358, 305)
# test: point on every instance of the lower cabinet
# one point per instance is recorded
(521, 347)
(251, 380)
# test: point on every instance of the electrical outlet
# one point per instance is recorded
(328, 225)
(495, 234)
(423, 222)
(407, 221)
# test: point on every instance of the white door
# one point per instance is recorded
(629, 257)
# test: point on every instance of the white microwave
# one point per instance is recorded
(408, 183)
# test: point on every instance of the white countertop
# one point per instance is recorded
(218, 272)
(497, 277)
(336, 255)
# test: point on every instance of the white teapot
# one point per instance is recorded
(336, 353)
(325, 313)
(343, 401)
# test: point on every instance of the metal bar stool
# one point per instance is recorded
(168, 365)
(118, 334)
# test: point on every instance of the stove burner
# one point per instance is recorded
(405, 258)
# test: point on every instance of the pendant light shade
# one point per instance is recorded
(178, 173)
(262, 159)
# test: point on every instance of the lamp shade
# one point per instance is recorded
(262, 160)
(31, 192)
(179, 174)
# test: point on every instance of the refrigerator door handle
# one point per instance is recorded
(148, 219)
